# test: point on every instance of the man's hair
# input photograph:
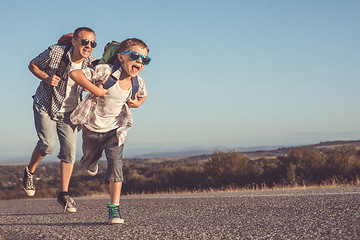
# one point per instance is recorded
(78, 30)
(124, 45)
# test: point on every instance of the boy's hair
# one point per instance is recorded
(124, 45)
(78, 30)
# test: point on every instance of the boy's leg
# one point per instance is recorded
(92, 150)
(114, 172)
(115, 191)
(113, 205)
(114, 175)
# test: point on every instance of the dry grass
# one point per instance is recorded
(334, 183)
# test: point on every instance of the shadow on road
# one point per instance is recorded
(58, 224)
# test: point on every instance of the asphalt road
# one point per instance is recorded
(326, 213)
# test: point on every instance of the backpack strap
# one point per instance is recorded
(112, 80)
(135, 86)
(63, 63)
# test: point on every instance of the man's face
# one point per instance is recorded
(81, 51)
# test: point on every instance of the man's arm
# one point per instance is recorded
(43, 76)
(79, 77)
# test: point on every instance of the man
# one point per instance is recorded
(55, 98)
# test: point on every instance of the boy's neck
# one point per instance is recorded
(124, 76)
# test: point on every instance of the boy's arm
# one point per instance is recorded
(136, 102)
(79, 77)
(140, 96)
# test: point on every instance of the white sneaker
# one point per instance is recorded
(28, 183)
(93, 173)
(67, 203)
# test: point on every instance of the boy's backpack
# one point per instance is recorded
(65, 40)
(110, 57)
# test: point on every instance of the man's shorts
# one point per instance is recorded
(48, 129)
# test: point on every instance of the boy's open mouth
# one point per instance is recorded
(135, 68)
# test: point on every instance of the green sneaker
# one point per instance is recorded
(114, 214)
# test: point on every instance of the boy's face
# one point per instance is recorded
(131, 67)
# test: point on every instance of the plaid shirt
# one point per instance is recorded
(51, 98)
(85, 109)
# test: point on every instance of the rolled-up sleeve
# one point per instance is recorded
(98, 74)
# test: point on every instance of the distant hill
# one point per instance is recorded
(197, 154)
(322, 146)
(194, 151)
(268, 152)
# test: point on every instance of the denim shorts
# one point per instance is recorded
(93, 146)
(48, 129)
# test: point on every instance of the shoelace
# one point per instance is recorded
(113, 210)
(68, 201)
(30, 181)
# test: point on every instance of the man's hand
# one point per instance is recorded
(52, 81)
(100, 91)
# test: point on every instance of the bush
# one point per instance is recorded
(302, 166)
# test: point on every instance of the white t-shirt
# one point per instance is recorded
(70, 101)
(107, 111)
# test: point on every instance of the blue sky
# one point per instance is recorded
(223, 73)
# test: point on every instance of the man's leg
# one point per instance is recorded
(46, 131)
(67, 134)
(36, 158)
(66, 172)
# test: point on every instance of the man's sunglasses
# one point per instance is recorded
(85, 42)
(135, 56)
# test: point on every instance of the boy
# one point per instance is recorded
(109, 118)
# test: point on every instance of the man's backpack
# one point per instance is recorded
(65, 40)
(110, 57)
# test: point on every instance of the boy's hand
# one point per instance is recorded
(53, 80)
(134, 103)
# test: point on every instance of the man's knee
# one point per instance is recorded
(45, 147)
(67, 154)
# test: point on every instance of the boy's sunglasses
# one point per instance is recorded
(135, 56)
(85, 42)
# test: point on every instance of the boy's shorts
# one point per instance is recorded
(93, 146)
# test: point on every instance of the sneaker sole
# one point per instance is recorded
(30, 193)
(90, 172)
(70, 210)
(116, 221)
